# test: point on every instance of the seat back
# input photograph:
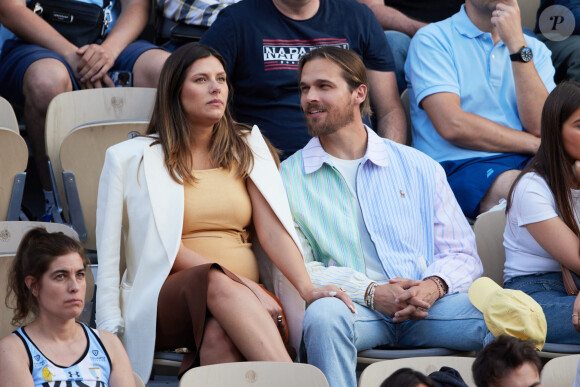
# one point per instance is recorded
(488, 229)
(376, 373)
(255, 374)
(7, 116)
(14, 157)
(11, 234)
(5, 312)
(528, 11)
(82, 155)
(71, 110)
(560, 371)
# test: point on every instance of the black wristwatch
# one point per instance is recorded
(523, 55)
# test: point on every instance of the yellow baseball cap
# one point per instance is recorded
(509, 312)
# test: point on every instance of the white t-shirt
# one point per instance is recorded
(374, 269)
(533, 202)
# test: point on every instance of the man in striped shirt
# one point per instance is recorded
(379, 220)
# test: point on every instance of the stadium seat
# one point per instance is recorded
(255, 374)
(376, 373)
(489, 228)
(560, 372)
(93, 111)
(14, 158)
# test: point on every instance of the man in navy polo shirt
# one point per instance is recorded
(262, 42)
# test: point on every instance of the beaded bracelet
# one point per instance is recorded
(370, 295)
(440, 285)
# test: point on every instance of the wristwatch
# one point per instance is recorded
(523, 55)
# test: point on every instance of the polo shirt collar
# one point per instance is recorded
(314, 156)
(464, 25)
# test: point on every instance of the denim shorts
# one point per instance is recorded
(18, 55)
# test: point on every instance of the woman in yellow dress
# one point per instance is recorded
(180, 205)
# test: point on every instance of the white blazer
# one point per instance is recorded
(139, 227)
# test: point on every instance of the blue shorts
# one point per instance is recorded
(18, 55)
(470, 179)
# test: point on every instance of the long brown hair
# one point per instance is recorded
(227, 147)
(552, 162)
(37, 250)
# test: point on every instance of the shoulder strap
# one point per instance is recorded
(19, 332)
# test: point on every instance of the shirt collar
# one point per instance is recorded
(314, 156)
(464, 25)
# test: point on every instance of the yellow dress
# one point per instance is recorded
(217, 218)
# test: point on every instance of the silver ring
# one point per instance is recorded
(280, 319)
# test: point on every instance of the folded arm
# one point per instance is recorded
(455, 263)
(392, 19)
(471, 131)
(387, 106)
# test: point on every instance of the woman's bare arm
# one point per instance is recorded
(558, 240)
(121, 371)
(14, 366)
(282, 250)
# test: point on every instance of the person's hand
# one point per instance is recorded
(96, 60)
(386, 300)
(314, 293)
(271, 306)
(576, 313)
(106, 81)
(421, 296)
(506, 19)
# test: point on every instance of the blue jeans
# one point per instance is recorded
(333, 335)
(548, 291)
(399, 43)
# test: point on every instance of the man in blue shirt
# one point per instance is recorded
(477, 86)
(379, 220)
(262, 41)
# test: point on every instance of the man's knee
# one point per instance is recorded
(502, 184)
(327, 315)
(44, 80)
(499, 189)
(148, 67)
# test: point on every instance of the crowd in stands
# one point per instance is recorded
(370, 234)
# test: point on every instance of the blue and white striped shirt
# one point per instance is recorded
(407, 205)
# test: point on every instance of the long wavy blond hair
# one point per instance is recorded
(228, 149)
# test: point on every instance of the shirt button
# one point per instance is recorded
(493, 57)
